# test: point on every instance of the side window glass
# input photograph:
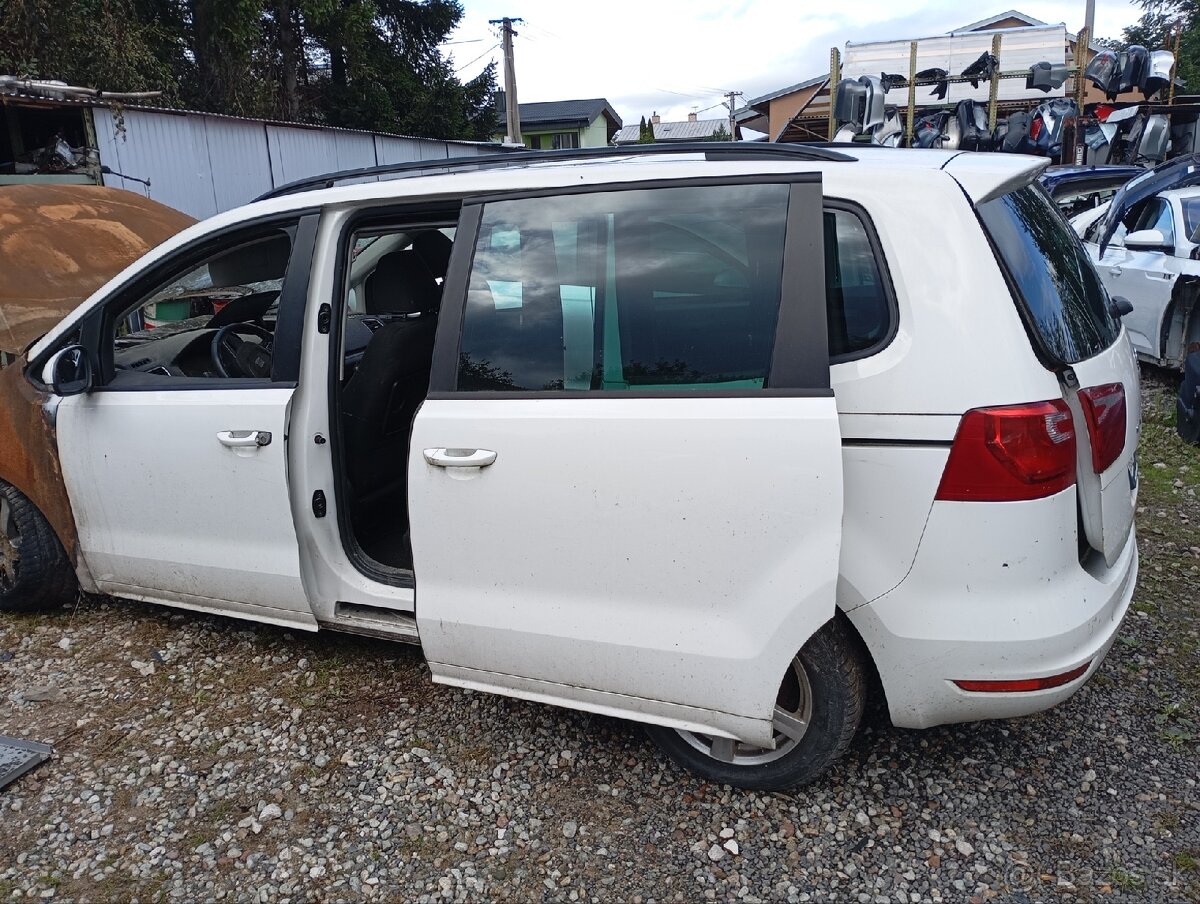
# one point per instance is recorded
(859, 310)
(1157, 215)
(214, 319)
(667, 289)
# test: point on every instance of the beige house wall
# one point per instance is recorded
(783, 108)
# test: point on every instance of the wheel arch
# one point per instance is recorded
(29, 459)
(1181, 322)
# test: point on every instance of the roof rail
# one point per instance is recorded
(712, 150)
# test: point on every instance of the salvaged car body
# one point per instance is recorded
(58, 245)
(664, 434)
(1076, 189)
(1145, 244)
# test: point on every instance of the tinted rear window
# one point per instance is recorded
(1065, 302)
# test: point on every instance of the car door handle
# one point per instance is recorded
(241, 439)
(1116, 271)
(460, 458)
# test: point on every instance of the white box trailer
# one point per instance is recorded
(1020, 48)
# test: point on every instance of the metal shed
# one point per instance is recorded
(204, 163)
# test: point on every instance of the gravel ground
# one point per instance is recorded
(199, 758)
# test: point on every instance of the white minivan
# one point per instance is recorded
(718, 438)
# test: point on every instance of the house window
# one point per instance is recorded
(561, 140)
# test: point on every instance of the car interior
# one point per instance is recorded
(216, 320)
(393, 296)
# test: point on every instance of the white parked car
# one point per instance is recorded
(1150, 259)
(594, 430)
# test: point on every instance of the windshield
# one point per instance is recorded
(1055, 283)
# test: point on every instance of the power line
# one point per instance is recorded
(477, 59)
(544, 31)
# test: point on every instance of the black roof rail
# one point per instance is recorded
(712, 150)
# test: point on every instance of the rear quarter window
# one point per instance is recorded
(859, 303)
(1054, 283)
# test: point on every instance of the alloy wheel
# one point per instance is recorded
(793, 713)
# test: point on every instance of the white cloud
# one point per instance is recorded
(678, 56)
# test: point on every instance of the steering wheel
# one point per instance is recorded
(235, 356)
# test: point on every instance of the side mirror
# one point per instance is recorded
(69, 371)
(1147, 240)
(1121, 306)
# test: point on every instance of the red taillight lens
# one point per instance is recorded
(1020, 685)
(1012, 453)
(1104, 408)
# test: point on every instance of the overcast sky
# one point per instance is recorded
(674, 56)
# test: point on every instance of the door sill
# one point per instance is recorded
(374, 621)
(759, 732)
(266, 615)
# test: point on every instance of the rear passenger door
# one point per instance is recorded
(625, 485)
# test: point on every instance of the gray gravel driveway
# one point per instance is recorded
(199, 758)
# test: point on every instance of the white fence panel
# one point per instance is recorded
(1020, 48)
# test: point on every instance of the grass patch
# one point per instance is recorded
(1124, 879)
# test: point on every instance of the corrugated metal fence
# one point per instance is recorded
(203, 164)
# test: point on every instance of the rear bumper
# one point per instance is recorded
(996, 593)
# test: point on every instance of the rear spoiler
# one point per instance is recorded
(987, 176)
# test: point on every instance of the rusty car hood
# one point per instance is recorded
(60, 243)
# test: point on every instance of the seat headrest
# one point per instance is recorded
(433, 248)
(401, 284)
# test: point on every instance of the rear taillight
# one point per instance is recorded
(1011, 453)
(1019, 685)
(1104, 409)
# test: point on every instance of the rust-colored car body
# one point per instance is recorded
(58, 244)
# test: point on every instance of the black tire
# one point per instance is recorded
(835, 672)
(34, 571)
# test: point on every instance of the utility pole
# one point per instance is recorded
(732, 106)
(512, 111)
(1089, 22)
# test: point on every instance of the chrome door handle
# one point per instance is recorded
(241, 439)
(460, 458)
(1116, 271)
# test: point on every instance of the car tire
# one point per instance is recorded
(831, 671)
(34, 571)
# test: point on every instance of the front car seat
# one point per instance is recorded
(379, 402)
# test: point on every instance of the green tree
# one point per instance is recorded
(721, 134)
(131, 45)
(645, 132)
(367, 64)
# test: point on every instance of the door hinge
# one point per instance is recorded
(324, 318)
(318, 504)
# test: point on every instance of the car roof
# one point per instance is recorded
(1180, 194)
(982, 176)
